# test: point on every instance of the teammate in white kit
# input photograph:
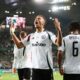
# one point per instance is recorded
(41, 49)
(71, 50)
(21, 60)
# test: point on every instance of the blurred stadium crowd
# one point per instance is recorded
(6, 50)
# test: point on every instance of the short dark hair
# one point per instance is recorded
(74, 26)
(42, 17)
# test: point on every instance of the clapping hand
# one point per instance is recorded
(57, 24)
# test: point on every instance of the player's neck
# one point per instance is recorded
(39, 29)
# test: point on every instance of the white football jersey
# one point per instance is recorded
(41, 49)
(22, 58)
(71, 46)
(18, 57)
(27, 60)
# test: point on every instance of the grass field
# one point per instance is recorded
(57, 76)
(11, 76)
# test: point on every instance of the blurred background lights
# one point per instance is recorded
(50, 17)
(49, 10)
(60, 1)
(39, 1)
(57, 8)
(6, 11)
(33, 12)
(74, 3)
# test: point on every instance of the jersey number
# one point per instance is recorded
(75, 49)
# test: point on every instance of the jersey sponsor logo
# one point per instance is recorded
(38, 44)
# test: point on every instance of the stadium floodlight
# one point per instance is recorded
(6, 11)
(17, 12)
(74, 3)
(15, 4)
(49, 10)
(55, 8)
(50, 18)
(39, 1)
(30, 13)
(68, 7)
(33, 12)
(65, 8)
(20, 12)
(59, 1)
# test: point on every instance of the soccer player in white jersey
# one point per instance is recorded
(40, 42)
(71, 50)
(21, 60)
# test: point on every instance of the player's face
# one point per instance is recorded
(39, 22)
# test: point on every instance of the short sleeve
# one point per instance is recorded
(52, 37)
(26, 40)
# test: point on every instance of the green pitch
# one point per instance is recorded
(57, 76)
(11, 76)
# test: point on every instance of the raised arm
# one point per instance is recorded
(60, 57)
(18, 43)
(59, 32)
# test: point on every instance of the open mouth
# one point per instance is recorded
(36, 22)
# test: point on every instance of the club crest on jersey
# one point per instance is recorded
(32, 38)
(43, 36)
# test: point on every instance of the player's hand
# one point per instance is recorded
(61, 70)
(12, 29)
(57, 24)
(13, 70)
